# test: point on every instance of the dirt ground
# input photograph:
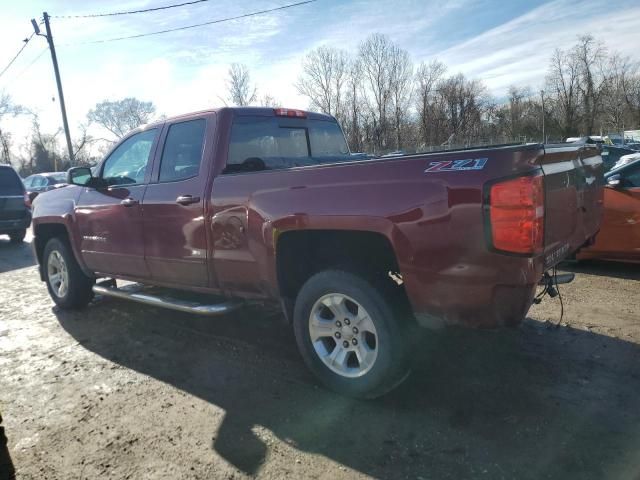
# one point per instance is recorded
(124, 391)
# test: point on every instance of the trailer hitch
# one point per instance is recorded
(550, 283)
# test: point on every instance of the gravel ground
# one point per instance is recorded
(120, 390)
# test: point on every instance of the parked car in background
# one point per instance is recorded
(43, 182)
(15, 206)
(619, 237)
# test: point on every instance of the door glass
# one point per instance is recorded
(128, 162)
(182, 151)
(27, 182)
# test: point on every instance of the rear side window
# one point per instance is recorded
(268, 143)
(10, 183)
(182, 152)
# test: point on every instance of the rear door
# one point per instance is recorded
(175, 237)
(110, 218)
(573, 179)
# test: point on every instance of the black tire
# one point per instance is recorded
(17, 236)
(79, 287)
(391, 365)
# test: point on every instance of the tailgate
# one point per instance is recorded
(12, 207)
(573, 179)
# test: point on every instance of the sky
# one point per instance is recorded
(501, 42)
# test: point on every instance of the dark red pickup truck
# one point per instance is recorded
(268, 205)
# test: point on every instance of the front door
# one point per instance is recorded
(175, 236)
(110, 218)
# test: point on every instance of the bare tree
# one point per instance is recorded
(401, 90)
(427, 77)
(240, 90)
(376, 62)
(353, 107)
(564, 90)
(324, 76)
(121, 116)
(7, 108)
(614, 106)
(268, 101)
(590, 56)
(631, 88)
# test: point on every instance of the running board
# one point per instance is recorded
(135, 293)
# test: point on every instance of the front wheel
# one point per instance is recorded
(350, 335)
(68, 286)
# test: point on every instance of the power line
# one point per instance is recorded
(129, 12)
(26, 42)
(261, 12)
(38, 57)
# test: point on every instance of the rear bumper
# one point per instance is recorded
(506, 306)
(482, 297)
(7, 226)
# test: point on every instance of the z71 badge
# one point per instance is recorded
(457, 165)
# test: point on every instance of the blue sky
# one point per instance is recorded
(500, 42)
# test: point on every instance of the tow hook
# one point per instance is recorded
(549, 282)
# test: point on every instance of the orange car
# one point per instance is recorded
(619, 237)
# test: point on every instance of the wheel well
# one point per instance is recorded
(43, 233)
(300, 254)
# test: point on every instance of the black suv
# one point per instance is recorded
(15, 207)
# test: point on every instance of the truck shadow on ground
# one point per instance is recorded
(531, 402)
(15, 255)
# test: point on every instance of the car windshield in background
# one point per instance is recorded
(267, 143)
(10, 183)
(58, 178)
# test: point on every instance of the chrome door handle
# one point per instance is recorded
(187, 199)
(129, 202)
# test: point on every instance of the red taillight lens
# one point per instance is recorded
(27, 200)
(516, 214)
(287, 112)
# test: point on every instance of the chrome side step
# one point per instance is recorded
(135, 293)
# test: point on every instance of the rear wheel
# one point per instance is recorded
(68, 286)
(350, 335)
(17, 236)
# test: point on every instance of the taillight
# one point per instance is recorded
(516, 215)
(288, 112)
(27, 200)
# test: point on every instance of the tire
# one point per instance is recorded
(59, 259)
(17, 236)
(378, 361)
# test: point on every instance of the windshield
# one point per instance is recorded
(57, 178)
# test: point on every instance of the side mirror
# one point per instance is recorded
(79, 176)
(615, 181)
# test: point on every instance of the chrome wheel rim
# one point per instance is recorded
(58, 274)
(343, 335)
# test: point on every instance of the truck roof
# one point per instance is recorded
(242, 111)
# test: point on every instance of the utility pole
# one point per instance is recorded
(56, 70)
(542, 95)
